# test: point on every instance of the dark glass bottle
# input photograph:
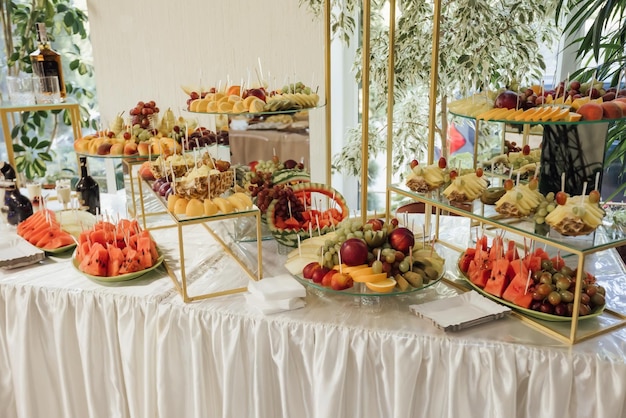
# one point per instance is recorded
(17, 205)
(87, 189)
(46, 61)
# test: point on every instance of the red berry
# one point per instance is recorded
(414, 163)
(561, 198)
(508, 184)
(127, 135)
(442, 163)
(453, 174)
(526, 149)
(479, 172)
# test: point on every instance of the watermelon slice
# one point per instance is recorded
(116, 259)
(498, 281)
(511, 252)
(95, 263)
(131, 262)
(517, 293)
(144, 253)
(541, 253)
(497, 249)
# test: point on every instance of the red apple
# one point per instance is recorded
(507, 99)
(319, 274)
(401, 239)
(574, 85)
(561, 198)
(341, 281)
(353, 252)
(260, 93)
(307, 271)
(326, 280)
(442, 163)
(508, 184)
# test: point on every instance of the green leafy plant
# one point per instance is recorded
(68, 33)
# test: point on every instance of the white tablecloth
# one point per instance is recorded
(70, 347)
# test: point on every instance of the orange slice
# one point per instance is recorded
(369, 278)
(350, 269)
(383, 286)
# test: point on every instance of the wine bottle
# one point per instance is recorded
(46, 61)
(17, 206)
(87, 189)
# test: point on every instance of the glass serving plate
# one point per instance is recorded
(130, 157)
(252, 114)
(360, 289)
(525, 311)
(121, 277)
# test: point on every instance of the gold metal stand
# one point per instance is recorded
(6, 109)
(179, 222)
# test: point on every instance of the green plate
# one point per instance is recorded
(525, 311)
(60, 250)
(121, 277)
(365, 291)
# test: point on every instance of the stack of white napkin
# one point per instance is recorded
(276, 294)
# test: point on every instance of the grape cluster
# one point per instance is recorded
(553, 291)
(511, 146)
(298, 87)
(546, 206)
(143, 114)
(287, 204)
(203, 137)
(262, 189)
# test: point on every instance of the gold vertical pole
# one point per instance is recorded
(327, 88)
(365, 89)
(390, 100)
(434, 71)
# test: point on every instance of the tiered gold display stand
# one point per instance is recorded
(180, 222)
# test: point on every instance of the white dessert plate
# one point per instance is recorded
(461, 311)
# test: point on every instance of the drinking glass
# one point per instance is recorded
(20, 90)
(47, 90)
(64, 192)
(34, 191)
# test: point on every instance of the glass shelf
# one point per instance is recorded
(522, 122)
(249, 114)
(604, 237)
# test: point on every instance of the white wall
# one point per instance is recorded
(145, 50)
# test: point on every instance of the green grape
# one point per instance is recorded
(350, 235)
(542, 212)
(377, 267)
(550, 197)
(390, 258)
(335, 259)
(540, 220)
(358, 234)
(404, 266)
(328, 257)
(550, 207)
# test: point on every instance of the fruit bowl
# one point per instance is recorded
(360, 289)
(120, 277)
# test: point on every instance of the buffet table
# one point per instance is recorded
(70, 347)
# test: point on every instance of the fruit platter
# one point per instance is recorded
(569, 102)
(535, 284)
(142, 135)
(258, 99)
(115, 252)
(46, 232)
(371, 259)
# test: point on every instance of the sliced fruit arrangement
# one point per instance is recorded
(236, 99)
(142, 134)
(109, 250)
(386, 258)
(568, 101)
(426, 178)
(519, 200)
(193, 207)
(299, 211)
(535, 281)
(44, 231)
(465, 188)
(576, 215)
(515, 161)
